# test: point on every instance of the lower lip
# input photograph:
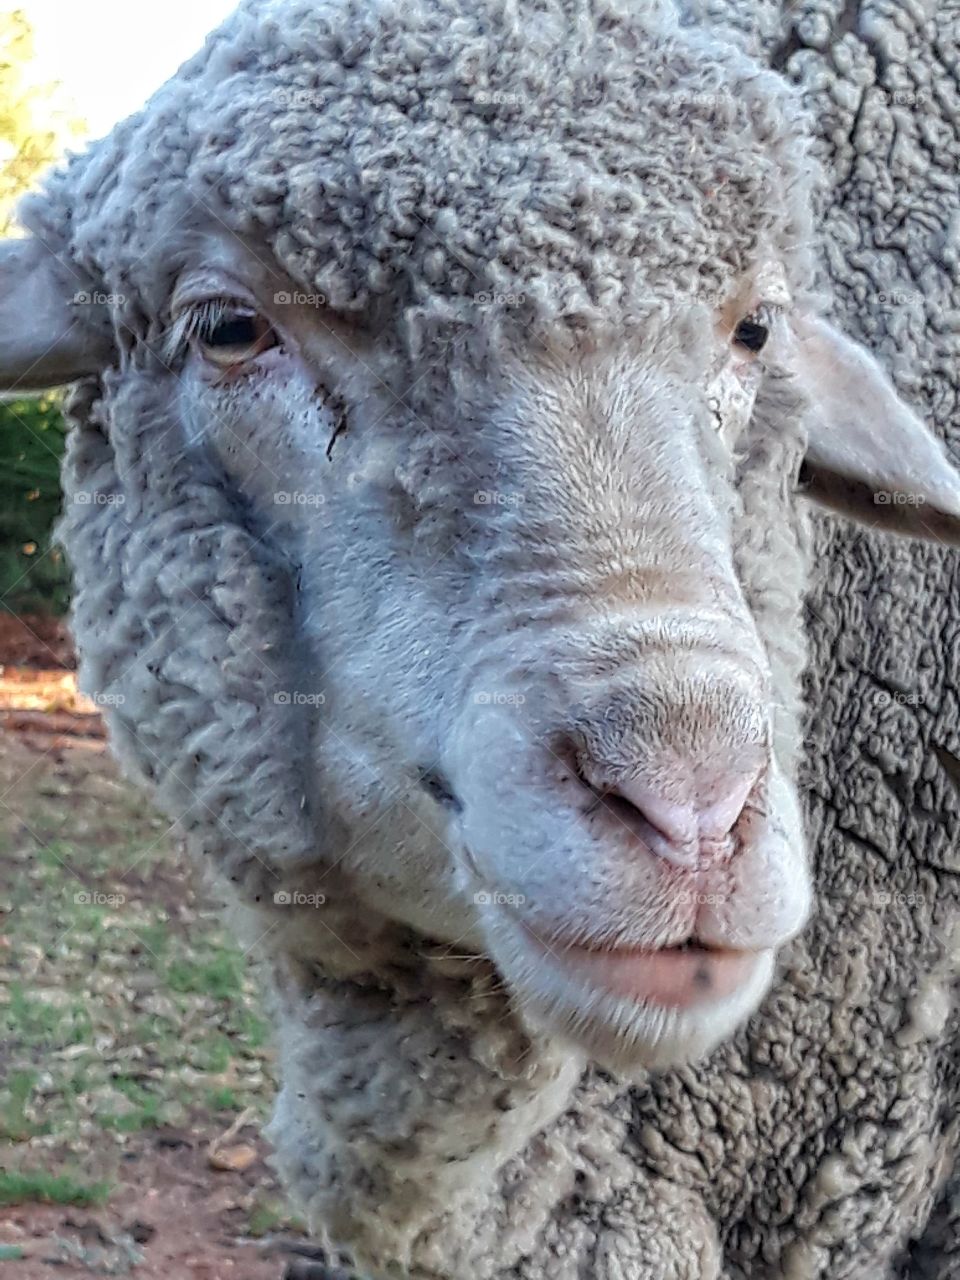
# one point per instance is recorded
(670, 978)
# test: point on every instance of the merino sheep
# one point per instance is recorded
(458, 365)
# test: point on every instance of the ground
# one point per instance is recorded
(135, 1063)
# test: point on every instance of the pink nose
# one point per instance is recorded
(689, 819)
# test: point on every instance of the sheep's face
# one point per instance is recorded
(544, 716)
(448, 470)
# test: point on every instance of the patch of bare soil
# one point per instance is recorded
(35, 641)
(173, 1218)
(39, 699)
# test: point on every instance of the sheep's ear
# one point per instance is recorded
(51, 332)
(869, 456)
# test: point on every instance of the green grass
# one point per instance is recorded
(117, 1018)
(15, 1126)
(267, 1217)
(32, 1020)
(219, 975)
(145, 1108)
(23, 1188)
(223, 1099)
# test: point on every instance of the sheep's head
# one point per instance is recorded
(434, 491)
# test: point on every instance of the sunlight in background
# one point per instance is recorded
(110, 55)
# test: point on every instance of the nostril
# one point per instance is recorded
(703, 804)
(691, 813)
(661, 829)
(676, 820)
(724, 802)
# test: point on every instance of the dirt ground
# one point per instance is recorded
(170, 1217)
(135, 1064)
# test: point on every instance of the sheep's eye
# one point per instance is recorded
(752, 332)
(228, 335)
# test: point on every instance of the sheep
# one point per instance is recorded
(449, 384)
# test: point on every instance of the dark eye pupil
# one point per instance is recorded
(241, 331)
(751, 335)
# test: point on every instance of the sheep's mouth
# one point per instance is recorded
(680, 976)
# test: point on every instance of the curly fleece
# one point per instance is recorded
(399, 160)
(422, 153)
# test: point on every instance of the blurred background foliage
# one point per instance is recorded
(33, 573)
(36, 128)
(36, 123)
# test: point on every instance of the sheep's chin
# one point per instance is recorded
(621, 1034)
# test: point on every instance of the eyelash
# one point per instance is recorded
(193, 323)
(200, 325)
